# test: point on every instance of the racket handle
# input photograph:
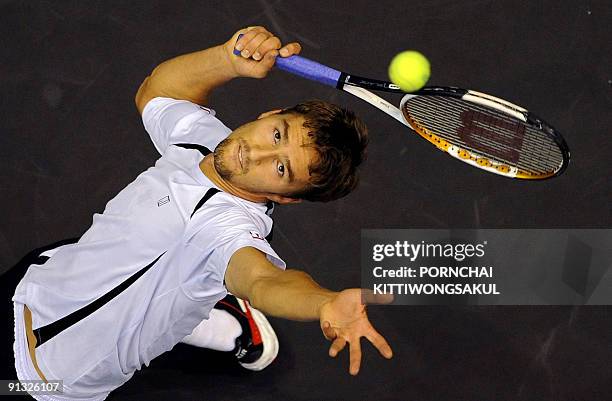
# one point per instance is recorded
(306, 68)
(309, 69)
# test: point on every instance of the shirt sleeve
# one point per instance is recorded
(169, 121)
(223, 253)
(227, 231)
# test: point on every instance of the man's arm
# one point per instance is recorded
(294, 295)
(289, 294)
(193, 76)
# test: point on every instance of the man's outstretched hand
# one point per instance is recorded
(258, 51)
(344, 320)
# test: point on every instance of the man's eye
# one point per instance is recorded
(277, 136)
(281, 169)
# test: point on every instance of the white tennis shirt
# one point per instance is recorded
(148, 224)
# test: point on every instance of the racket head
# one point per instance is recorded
(487, 132)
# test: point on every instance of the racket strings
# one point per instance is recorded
(537, 159)
(486, 131)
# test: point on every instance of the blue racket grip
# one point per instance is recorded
(306, 68)
(309, 69)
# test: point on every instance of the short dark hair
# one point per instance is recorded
(340, 139)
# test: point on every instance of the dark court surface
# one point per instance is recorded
(71, 138)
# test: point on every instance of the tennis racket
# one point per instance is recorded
(479, 129)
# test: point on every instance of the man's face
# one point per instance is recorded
(267, 156)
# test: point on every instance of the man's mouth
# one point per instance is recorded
(240, 157)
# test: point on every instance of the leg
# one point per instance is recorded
(218, 332)
(236, 326)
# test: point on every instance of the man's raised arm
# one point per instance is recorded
(293, 294)
(193, 76)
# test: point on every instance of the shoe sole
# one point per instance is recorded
(268, 338)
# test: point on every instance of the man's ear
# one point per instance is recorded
(269, 113)
(283, 200)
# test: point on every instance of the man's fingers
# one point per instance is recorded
(270, 44)
(247, 35)
(355, 349)
(337, 346)
(256, 43)
(380, 343)
(268, 61)
(250, 47)
(328, 331)
(290, 49)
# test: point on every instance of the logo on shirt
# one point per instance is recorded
(256, 235)
(163, 201)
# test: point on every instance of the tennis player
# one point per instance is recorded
(182, 252)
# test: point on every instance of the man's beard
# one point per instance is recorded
(219, 156)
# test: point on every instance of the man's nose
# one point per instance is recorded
(261, 153)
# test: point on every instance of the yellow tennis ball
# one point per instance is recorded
(409, 70)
